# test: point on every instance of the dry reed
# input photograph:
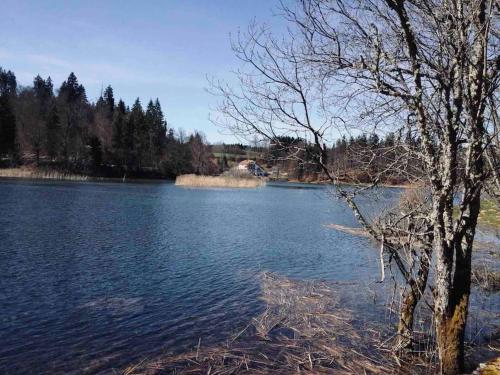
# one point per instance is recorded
(40, 174)
(303, 330)
(191, 180)
(350, 230)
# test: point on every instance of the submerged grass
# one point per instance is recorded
(303, 330)
(192, 180)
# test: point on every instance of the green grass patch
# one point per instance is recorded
(489, 214)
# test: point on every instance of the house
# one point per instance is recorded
(252, 167)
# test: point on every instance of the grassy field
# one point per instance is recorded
(191, 180)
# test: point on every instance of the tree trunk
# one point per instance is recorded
(450, 329)
(451, 313)
(405, 325)
(410, 301)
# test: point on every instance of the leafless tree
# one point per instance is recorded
(279, 96)
(427, 69)
(200, 155)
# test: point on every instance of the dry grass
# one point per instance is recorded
(486, 278)
(40, 174)
(350, 230)
(303, 330)
(192, 180)
(489, 368)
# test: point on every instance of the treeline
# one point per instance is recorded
(63, 129)
(354, 159)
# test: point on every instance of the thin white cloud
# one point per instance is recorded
(96, 73)
(48, 61)
(5, 55)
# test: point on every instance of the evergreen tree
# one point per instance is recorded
(8, 83)
(149, 126)
(156, 128)
(7, 127)
(72, 104)
(8, 87)
(109, 102)
(160, 132)
(67, 128)
(119, 131)
(134, 134)
(72, 91)
(43, 91)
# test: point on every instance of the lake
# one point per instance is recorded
(95, 276)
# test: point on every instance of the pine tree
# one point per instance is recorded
(44, 101)
(109, 101)
(7, 126)
(160, 132)
(134, 136)
(8, 87)
(149, 127)
(156, 128)
(72, 103)
(119, 131)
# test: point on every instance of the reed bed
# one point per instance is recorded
(303, 330)
(41, 174)
(191, 180)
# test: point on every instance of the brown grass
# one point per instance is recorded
(350, 230)
(40, 174)
(486, 278)
(191, 180)
(489, 368)
(303, 330)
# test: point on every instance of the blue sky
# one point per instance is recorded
(146, 49)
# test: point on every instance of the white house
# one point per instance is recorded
(251, 167)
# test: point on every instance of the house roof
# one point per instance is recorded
(246, 162)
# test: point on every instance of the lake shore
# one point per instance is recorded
(350, 183)
(34, 173)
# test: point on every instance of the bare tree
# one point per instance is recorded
(281, 95)
(200, 154)
(427, 69)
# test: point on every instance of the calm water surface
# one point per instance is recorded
(94, 276)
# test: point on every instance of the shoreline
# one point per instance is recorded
(84, 178)
(398, 186)
(25, 173)
(55, 175)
